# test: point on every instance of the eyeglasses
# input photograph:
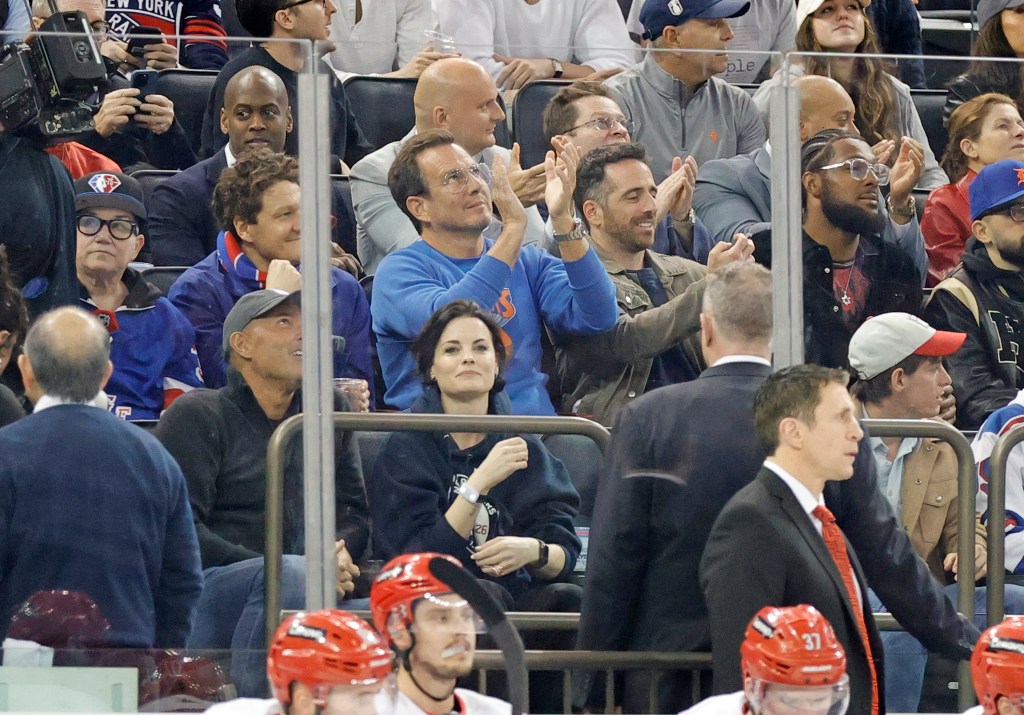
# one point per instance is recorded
(100, 28)
(321, 3)
(1015, 212)
(456, 180)
(859, 170)
(604, 124)
(120, 228)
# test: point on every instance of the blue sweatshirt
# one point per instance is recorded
(411, 284)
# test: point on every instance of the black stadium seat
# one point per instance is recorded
(190, 91)
(528, 119)
(383, 106)
(929, 104)
(149, 178)
(163, 277)
(344, 216)
(583, 459)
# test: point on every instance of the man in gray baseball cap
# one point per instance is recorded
(219, 438)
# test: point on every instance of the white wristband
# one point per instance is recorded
(468, 493)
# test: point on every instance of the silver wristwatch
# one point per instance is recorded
(468, 493)
(579, 232)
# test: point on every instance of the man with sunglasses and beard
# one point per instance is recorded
(850, 273)
(984, 297)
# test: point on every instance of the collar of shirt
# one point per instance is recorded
(768, 147)
(742, 358)
(229, 156)
(48, 401)
(880, 449)
(808, 502)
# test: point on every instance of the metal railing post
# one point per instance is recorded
(965, 516)
(372, 422)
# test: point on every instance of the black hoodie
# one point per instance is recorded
(987, 303)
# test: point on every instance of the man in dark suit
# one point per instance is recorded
(642, 590)
(182, 229)
(768, 546)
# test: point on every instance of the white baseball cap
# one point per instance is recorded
(886, 340)
(804, 8)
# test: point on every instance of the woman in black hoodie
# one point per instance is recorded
(501, 504)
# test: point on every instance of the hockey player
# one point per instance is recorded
(322, 663)
(433, 634)
(997, 669)
(792, 665)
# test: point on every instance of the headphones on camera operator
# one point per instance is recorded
(45, 83)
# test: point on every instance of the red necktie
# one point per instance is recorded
(836, 544)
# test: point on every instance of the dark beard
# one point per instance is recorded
(850, 217)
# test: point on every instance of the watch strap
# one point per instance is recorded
(468, 493)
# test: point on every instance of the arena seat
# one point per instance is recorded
(383, 106)
(163, 277)
(528, 119)
(344, 215)
(190, 91)
(582, 457)
(929, 104)
(149, 178)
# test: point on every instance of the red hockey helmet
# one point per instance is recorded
(793, 661)
(323, 649)
(997, 665)
(403, 581)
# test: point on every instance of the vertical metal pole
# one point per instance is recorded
(317, 364)
(787, 256)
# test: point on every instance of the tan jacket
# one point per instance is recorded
(930, 503)
(601, 373)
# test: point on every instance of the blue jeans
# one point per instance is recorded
(905, 657)
(230, 614)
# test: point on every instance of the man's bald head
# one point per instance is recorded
(255, 112)
(824, 104)
(458, 95)
(67, 356)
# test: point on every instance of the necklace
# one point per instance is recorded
(845, 297)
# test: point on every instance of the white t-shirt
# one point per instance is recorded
(728, 704)
(587, 32)
(386, 38)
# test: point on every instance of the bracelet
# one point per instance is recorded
(907, 211)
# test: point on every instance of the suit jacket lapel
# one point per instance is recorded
(815, 542)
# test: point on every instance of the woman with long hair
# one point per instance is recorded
(1001, 35)
(885, 110)
(982, 131)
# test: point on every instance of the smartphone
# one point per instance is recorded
(145, 82)
(137, 45)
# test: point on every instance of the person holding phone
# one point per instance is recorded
(133, 129)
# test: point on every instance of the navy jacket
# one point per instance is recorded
(90, 503)
(182, 229)
(413, 485)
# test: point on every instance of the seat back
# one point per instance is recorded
(163, 277)
(929, 104)
(344, 215)
(582, 458)
(190, 91)
(528, 119)
(383, 107)
(148, 179)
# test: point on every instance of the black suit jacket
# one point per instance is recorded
(641, 590)
(764, 550)
(182, 229)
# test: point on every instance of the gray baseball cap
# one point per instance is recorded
(251, 306)
(987, 9)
